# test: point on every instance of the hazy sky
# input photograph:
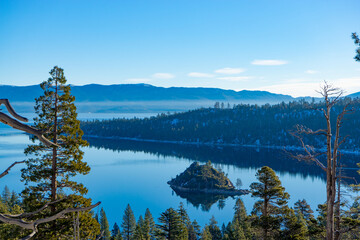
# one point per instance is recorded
(286, 47)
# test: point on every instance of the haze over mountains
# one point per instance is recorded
(142, 97)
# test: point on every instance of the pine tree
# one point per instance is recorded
(170, 226)
(185, 221)
(317, 227)
(214, 229)
(294, 226)
(304, 208)
(194, 231)
(240, 217)
(273, 199)
(149, 228)
(9, 231)
(357, 42)
(115, 232)
(236, 230)
(205, 234)
(104, 225)
(6, 195)
(14, 199)
(139, 230)
(128, 224)
(50, 169)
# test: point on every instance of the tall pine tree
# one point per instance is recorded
(241, 219)
(104, 226)
(273, 200)
(115, 232)
(149, 226)
(50, 170)
(170, 226)
(128, 224)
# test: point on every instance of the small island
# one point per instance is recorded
(204, 179)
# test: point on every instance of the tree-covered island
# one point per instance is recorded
(204, 179)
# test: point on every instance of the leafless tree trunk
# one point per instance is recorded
(337, 209)
(331, 97)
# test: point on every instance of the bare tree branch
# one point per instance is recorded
(34, 224)
(311, 155)
(23, 127)
(24, 215)
(4, 118)
(12, 111)
(8, 169)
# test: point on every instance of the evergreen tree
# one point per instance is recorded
(357, 42)
(104, 225)
(185, 221)
(115, 232)
(350, 221)
(6, 195)
(128, 224)
(316, 227)
(223, 229)
(226, 231)
(233, 231)
(304, 208)
(170, 226)
(9, 231)
(50, 169)
(183, 215)
(96, 217)
(14, 199)
(140, 229)
(240, 217)
(214, 229)
(294, 226)
(205, 234)
(273, 200)
(194, 231)
(149, 228)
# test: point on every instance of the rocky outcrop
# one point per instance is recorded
(204, 179)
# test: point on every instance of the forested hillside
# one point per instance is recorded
(240, 125)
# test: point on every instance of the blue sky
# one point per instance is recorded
(286, 47)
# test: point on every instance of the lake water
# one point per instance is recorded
(131, 172)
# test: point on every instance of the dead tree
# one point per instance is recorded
(331, 96)
(18, 219)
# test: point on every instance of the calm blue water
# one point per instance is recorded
(136, 173)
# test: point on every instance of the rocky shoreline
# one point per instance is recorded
(233, 192)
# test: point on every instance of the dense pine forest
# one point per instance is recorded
(242, 124)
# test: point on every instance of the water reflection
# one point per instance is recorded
(203, 200)
(241, 157)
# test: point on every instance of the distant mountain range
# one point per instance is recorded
(142, 92)
(143, 97)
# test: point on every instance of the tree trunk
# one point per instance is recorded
(54, 153)
(266, 203)
(330, 180)
(337, 211)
